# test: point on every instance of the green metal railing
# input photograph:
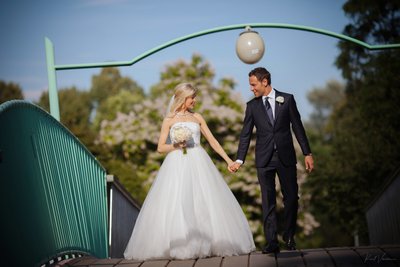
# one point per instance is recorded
(52, 193)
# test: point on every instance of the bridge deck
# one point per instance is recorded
(335, 257)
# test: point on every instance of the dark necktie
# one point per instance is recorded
(269, 111)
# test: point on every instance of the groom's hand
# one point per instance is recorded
(234, 166)
(309, 163)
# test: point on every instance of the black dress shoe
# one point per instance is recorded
(271, 249)
(290, 244)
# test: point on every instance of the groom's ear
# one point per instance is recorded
(264, 82)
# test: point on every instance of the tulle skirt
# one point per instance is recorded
(189, 213)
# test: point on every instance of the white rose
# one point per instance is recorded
(181, 134)
(280, 99)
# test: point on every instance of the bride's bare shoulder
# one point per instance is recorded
(168, 121)
(198, 116)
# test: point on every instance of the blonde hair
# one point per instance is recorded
(182, 91)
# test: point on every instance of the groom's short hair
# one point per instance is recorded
(261, 74)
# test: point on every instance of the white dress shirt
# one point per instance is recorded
(271, 100)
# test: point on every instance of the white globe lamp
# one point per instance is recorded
(250, 46)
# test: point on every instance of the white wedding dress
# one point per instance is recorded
(189, 211)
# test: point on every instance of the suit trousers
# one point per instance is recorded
(288, 180)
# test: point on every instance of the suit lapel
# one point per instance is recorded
(278, 106)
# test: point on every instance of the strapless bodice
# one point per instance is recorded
(194, 127)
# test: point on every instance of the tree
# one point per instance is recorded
(364, 128)
(10, 91)
(198, 72)
(109, 82)
(75, 109)
(112, 93)
(326, 100)
(123, 101)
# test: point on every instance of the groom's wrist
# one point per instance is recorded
(239, 161)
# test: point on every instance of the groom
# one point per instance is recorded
(274, 114)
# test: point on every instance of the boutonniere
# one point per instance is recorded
(280, 99)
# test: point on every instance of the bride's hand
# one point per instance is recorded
(180, 145)
(230, 166)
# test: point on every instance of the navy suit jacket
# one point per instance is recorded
(287, 117)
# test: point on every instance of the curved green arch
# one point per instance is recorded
(227, 28)
(52, 68)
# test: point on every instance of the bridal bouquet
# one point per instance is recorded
(180, 134)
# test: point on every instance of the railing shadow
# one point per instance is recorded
(123, 211)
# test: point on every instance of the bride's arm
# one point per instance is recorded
(162, 146)
(211, 139)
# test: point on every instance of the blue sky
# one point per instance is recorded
(86, 31)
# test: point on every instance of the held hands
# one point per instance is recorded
(234, 166)
(308, 161)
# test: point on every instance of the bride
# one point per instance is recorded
(189, 211)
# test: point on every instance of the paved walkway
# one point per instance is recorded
(381, 256)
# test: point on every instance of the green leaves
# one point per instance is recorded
(357, 147)
(10, 91)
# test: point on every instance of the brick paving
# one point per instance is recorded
(382, 256)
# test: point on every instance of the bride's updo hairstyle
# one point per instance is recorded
(182, 91)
